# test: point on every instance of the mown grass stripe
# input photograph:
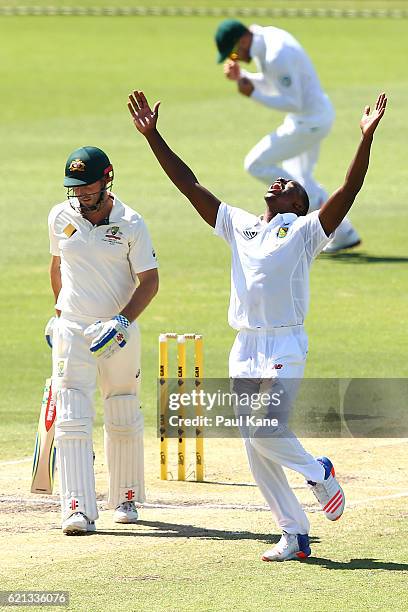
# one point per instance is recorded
(150, 11)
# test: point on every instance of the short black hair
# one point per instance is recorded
(305, 200)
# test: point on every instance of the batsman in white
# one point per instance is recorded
(103, 275)
(271, 258)
(287, 81)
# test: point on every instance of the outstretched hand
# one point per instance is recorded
(144, 117)
(370, 120)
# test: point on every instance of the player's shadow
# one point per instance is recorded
(358, 564)
(161, 529)
(363, 258)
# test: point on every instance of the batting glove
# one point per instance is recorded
(109, 337)
(49, 331)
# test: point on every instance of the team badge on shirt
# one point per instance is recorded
(282, 231)
(113, 235)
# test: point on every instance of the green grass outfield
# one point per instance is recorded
(223, 4)
(65, 82)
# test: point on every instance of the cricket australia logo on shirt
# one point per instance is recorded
(113, 235)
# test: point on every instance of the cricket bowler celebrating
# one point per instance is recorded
(271, 258)
(103, 275)
(286, 81)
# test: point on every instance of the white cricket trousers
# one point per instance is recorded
(291, 152)
(77, 368)
(75, 374)
(257, 360)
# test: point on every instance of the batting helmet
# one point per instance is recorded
(87, 165)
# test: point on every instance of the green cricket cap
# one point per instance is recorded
(227, 35)
(86, 165)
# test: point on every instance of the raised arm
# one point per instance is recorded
(145, 120)
(337, 206)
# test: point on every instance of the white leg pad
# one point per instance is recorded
(124, 449)
(73, 440)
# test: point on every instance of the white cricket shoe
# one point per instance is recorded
(78, 524)
(342, 240)
(290, 546)
(329, 493)
(126, 513)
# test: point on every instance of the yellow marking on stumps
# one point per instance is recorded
(198, 376)
(163, 399)
(181, 372)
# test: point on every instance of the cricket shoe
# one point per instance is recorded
(126, 513)
(328, 493)
(346, 240)
(78, 524)
(290, 546)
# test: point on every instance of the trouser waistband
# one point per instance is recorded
(273, 331)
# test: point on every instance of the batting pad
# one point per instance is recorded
(73, 440)
(124, 449)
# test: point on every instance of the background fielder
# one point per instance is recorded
(103, 274)
(271, 257)
(286, 81)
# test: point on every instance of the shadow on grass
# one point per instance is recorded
(226, 484)
(363, 258)
(359, 564)
(160, 529)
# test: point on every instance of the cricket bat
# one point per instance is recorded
(45, 451)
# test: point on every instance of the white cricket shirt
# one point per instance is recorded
(286, 80)
(270, 266)
(99, 264)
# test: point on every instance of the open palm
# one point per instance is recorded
(144, 117)
(370, 120)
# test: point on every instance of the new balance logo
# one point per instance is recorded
(249, 234)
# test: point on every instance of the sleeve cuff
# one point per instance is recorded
(219, 223)
(151, 266)
(322, 232)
